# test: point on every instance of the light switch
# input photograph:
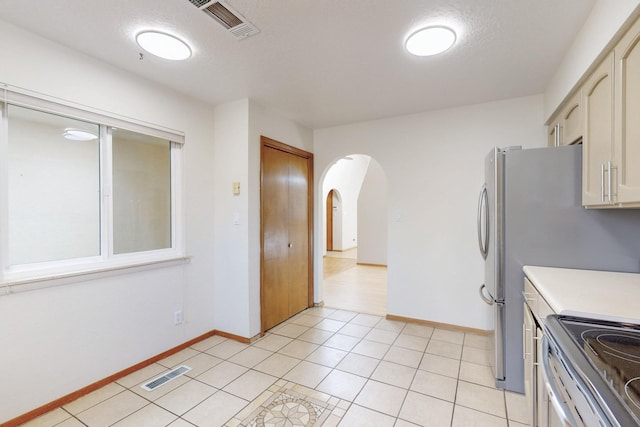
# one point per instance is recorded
(236, 188)
(236, 218)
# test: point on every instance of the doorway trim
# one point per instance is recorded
(266, 142)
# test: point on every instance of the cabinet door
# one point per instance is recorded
(554, 134)
(597, 99)
(529, 351)
(571, 121)
(627, 151)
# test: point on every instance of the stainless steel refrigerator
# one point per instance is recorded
(530, 213)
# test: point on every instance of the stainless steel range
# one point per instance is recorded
(592, 370)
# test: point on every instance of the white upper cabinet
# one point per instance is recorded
(554, 132)
(571, 118)
(611, 127)
(597, 154)
(566, 126)
(627, 117)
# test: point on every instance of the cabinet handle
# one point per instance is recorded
(609, 178)
(290, 245)
(602, 183)
(610, 187)
(524, 339)
(524, 348)
(558, 135)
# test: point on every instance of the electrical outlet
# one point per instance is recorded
(177, 317)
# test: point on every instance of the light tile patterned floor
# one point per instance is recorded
(324, 367)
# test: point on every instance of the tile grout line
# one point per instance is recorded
(455, 396)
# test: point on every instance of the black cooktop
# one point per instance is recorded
(613, 350)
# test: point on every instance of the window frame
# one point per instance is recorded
(64, 271)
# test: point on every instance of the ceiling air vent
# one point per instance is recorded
(235, 23)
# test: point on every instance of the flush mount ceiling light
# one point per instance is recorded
(163, 45)
(430, 41)
(78, 135)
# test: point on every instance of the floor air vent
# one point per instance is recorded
(199, 3)
(235, 23)
(165, 378)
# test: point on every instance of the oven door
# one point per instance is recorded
(554, 411)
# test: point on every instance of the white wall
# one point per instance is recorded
(91, 329)
(604, 21)
(434, 164)
(373, 217)
(239, 126)
(230, 164)
(346, 176)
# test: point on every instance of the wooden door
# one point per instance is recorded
(286, 221)
(330, 221)
(275, 237)
(299, 255)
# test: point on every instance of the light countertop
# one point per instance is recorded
(589, 293)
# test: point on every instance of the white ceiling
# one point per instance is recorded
(325, 62)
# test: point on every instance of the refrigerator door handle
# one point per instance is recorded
(483, 208)
(486, 298)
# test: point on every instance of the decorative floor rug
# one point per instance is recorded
(288, 408)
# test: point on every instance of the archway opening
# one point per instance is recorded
(354, 219)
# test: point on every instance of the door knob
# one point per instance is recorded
(290, 245)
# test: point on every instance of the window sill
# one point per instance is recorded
(13, 286)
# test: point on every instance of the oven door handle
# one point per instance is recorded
(559, 406)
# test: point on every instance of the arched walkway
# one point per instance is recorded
(348, 282)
